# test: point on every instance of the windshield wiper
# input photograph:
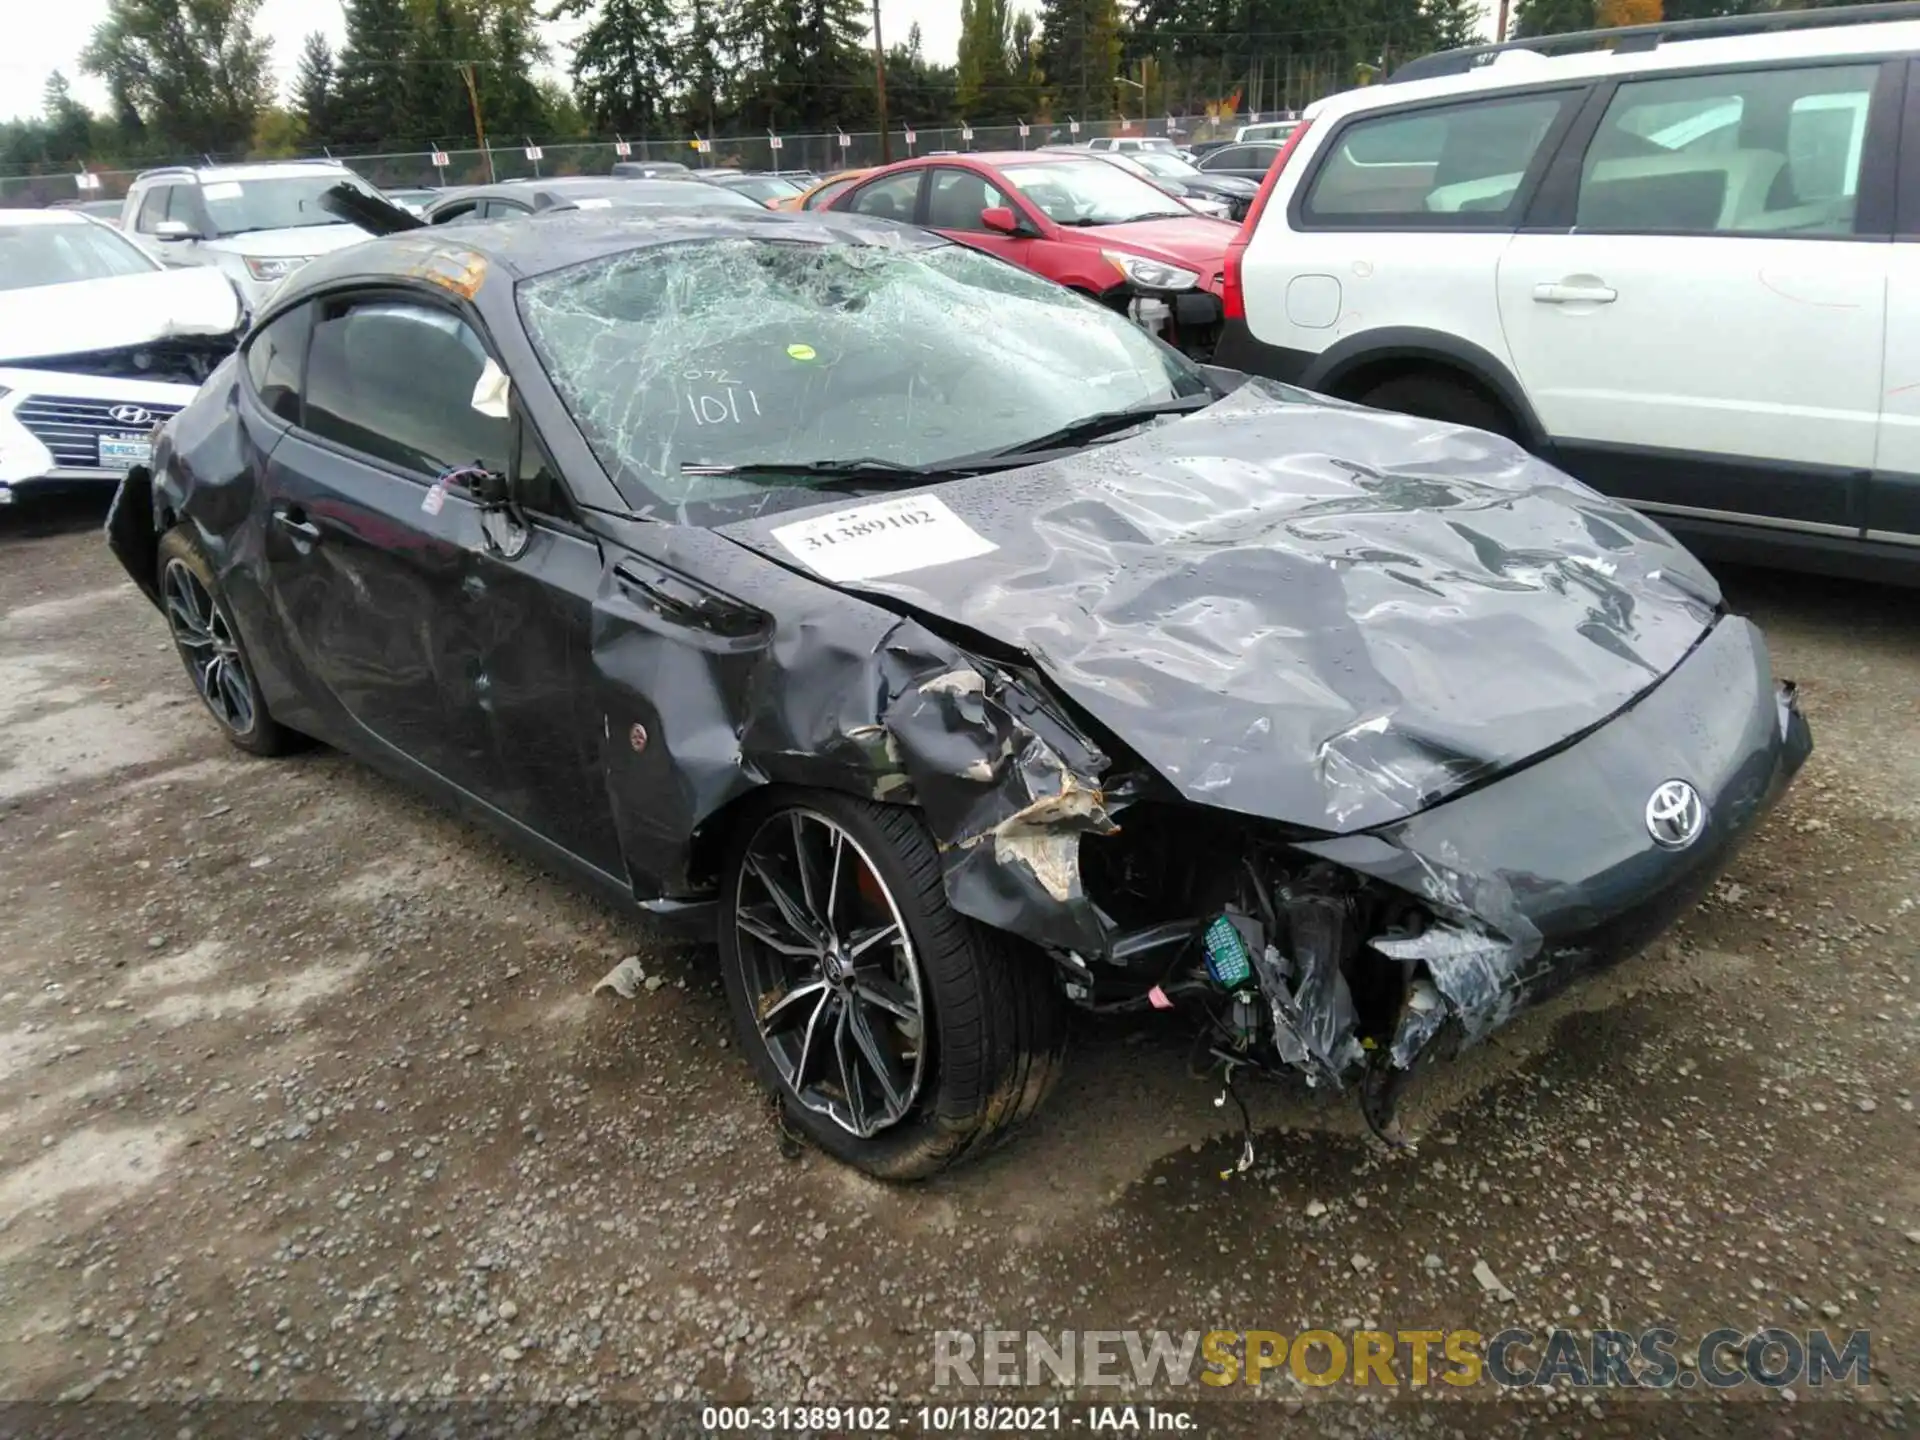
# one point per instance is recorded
(1104, 422)
(859, 468)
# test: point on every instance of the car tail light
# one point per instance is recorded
(1233, 296)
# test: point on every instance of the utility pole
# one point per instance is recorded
(479, 130)
(1500, 25)
(880, 85)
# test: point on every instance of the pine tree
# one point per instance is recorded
(69, 126)
(1451, 23)
(441, 41)
(510, 51)
(804, 62)
(703, 53)
(986, 75)
(1533, 18)
(313, 89)
(1080, 53)
(373, 77)
(623, 63)
(1025, 81)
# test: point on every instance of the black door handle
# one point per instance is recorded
(294, 521)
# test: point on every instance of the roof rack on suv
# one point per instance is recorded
(1630, 38)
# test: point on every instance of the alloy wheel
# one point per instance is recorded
(830, 973)
(209, 647)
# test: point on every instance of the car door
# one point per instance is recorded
(1393, 237)
(366, 551)
(955, 198)
(1706, 339)
(894, 196)
(522, 634)
(1893, 496)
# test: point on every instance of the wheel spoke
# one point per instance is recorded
(801, 1066)
(889, 995)
(850, 1073)
(798, 920)
(233, 682)
(767, 935)
(788, 1003)
(878, 1060)
(833, 880)
(865, 940)
(185, 620)
(847, 1034)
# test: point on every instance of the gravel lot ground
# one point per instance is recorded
(304, 1093)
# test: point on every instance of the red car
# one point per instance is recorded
(1092, 226)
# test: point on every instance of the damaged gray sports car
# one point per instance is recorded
(956, 652)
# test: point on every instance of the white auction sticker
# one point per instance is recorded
(221, 190)
(913, 532)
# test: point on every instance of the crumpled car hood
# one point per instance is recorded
(1295, 609)
(46, 321)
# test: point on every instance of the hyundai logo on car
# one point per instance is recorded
(1675, 815)
(131, 415)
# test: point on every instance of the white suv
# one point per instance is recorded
(1685, 267)
(257, 223)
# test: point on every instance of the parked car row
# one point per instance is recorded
(1599, 253)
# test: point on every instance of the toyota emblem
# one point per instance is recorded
(131, 415)
(1675, 815)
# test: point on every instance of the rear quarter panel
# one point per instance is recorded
(1310, 288)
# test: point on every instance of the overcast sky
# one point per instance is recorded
(53, 35)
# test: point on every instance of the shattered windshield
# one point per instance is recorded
(290, 202)
(1091, 192)
(35, 255)
(765, 353)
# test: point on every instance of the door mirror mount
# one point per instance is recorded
(1003, 219)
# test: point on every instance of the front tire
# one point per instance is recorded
(209, 646)
(900, 1036)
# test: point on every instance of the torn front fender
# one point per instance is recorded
(709, 697)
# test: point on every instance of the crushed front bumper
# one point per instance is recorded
(1554, 872)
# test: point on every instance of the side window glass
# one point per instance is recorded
(1769, 151)
(539, 487)
(153, 209)
(958, 197)
(455, 214)
(827, 194)
(888, 199)
(275, 358)
(1466, 160)
(395, 381)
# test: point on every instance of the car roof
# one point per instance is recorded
(1529, 68)
(71, 216)
(267, 170)
(527, 246)
(1002, 158)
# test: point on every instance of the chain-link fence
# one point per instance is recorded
(818, 153)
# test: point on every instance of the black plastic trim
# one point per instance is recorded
(1906, 224)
